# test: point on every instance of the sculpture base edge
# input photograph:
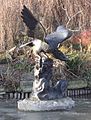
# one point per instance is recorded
(48, 105)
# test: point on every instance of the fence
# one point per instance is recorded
(84, 93)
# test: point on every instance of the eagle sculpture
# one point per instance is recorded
(51, 41)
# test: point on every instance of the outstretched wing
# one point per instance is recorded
(57, 37)
(59, 55)
(29, 19)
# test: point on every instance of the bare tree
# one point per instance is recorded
(75, 14)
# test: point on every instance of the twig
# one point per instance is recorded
(72, 73)
(44, 29)
(88, 3)
(70, 18)
(12, 49)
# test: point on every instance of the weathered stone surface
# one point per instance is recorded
(29, 76)
(89, 83)
(77, 84)
(38, 105)
(26, 82)
(26, 86)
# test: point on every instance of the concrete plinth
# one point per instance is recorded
(38, 105)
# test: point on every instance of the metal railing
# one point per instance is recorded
(83, 92)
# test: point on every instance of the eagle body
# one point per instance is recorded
(51, 41)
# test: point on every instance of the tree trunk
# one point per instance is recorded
(75, 14)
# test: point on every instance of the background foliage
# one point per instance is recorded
(74, 14)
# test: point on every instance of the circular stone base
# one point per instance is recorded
(60, 104)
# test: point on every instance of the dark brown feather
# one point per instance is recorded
(28, 18)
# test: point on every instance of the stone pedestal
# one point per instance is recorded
(45, 96)
(48, 105)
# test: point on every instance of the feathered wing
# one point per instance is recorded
(57, 37)
(30, 21)
(59, 55)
